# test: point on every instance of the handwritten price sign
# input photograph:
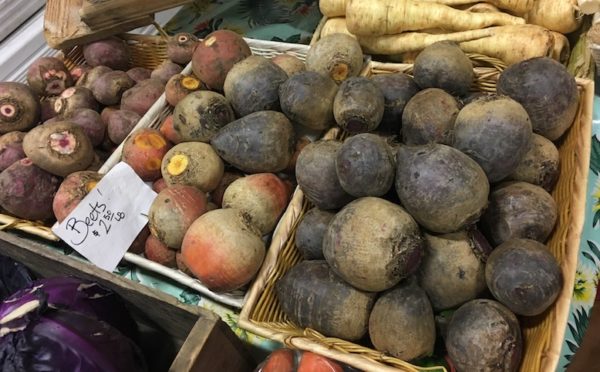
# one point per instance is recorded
(109, 218)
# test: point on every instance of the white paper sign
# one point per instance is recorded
(109, 218)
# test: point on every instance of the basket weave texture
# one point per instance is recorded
(543, 335)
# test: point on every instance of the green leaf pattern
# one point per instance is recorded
(291, 21)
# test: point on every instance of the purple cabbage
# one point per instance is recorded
(13, 276)
(62, 324)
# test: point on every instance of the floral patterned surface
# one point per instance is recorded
(588, 266)
(291, 21)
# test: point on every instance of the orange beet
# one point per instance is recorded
(261, 197)
(223, 250)
(180, 265)
(143, 151)
(173, 211)
(281, 360)
(71, 191)
(312, 362)
(156, 251)
(216, 55)
(167, 130)
(179, 86)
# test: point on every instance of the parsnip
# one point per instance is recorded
(482, 8)
(336, 26)
(387, 17)
(515, 6)
(562, 48)
(556, 15)
(511, 44)
(333, 8)
(588, 6)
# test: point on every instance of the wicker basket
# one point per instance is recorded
(153, 119)
(146, 51)
(543, 335)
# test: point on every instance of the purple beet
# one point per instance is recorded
(87, 79)
(109, 87)
(180, 47)
(91, 123)
(138, 74)
(19, 107)
(48, 76)
(27, 191)
(11, 149)
(74, 98)
(120, 124)
(165, 70)
(112, 52)
(142, 96)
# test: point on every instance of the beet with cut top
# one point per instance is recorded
(48, 76)
(19, 107)
(74, 98)
(180, 47)
(216, 55)
(358, 105)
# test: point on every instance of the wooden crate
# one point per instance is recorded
(175, 336)
(543, 334)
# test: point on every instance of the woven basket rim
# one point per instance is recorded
(298, 338)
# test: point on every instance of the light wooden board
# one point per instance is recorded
(100, 14)
(63, 27)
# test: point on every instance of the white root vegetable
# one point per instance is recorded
(556, 15)
(588, 6)
(562, 48)
(515, 6)
(482, 8)
(388, 17)
(333, 8)
(511, 44)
